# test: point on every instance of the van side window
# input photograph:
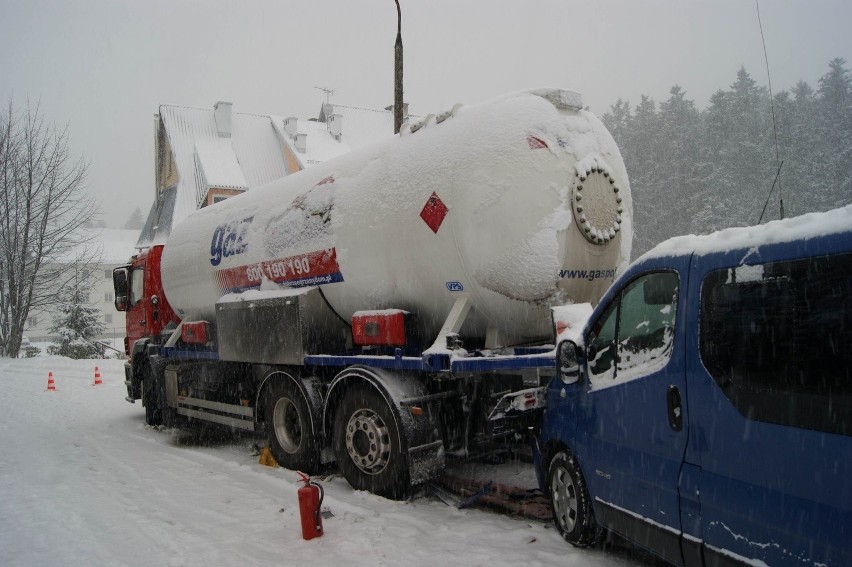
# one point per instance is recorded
(777, 338)
(634, 335)
(602, 351)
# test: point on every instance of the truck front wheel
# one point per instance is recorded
(289, 429)
(368, 444)
(150, 399)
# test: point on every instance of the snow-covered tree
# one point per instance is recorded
(76, 325)
(834, 127)
(136, 220)
(42, 209)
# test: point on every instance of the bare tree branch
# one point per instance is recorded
(43, 209)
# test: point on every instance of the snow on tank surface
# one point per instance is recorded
(521, 202)
(806, 226)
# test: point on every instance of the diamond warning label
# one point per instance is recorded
(433, 212)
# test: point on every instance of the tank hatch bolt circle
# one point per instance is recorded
(599, 215)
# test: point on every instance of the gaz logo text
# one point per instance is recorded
(229, 239)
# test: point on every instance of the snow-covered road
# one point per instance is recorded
(83, 481)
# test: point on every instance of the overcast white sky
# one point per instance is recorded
(103, 66)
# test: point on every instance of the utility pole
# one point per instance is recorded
(397, 89)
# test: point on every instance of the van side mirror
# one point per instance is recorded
(567, 361)
(119, 284)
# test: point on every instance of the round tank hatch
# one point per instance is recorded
(597, 204)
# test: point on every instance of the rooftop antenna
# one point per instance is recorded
(328, 92)
(774, 127)
(397, 73)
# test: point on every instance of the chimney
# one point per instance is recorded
(222, 112)
(291, 126)
(335, 125)
(301, 142)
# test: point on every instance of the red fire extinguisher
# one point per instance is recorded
(310, 500)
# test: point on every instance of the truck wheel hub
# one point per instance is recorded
(287, 424)
(368, 441)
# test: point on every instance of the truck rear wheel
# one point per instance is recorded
(289, 428)
(368, 444)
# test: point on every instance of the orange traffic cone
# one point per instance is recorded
(97, 377)
(51, 385)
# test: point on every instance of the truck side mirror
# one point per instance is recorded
(568, 362)
(119, 284)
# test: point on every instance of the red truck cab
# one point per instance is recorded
(139, 293)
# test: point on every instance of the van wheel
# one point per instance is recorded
(289, 427)
(367, 444)
(569, 497)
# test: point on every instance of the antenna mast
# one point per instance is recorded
(328, 92)
(774, 127)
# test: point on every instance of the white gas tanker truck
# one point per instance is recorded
(389, 307)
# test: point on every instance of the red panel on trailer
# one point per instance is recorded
(384, 328)
(194, 333)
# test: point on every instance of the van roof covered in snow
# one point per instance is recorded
(803, 227)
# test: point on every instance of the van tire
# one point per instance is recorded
(572, 505)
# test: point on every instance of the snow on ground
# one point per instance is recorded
(83, 481)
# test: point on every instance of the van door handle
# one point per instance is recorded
(675, 409)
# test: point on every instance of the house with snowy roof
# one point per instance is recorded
(109, 249)
(205, 155)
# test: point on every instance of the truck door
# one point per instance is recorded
(136, 306)
(638, 392)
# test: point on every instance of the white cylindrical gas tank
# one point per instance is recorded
(521, 203)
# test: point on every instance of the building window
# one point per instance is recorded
(84, 297)
(32, 321)
(108, 297)
(108, 274)
(108, 318)
(84, 274)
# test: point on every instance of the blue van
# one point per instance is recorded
(704, 410)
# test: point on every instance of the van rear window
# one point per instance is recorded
(777, 338)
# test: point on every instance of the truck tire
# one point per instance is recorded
(157, 411)
(151, 399)
(289, 427)
(368, 444)
(569, 497)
